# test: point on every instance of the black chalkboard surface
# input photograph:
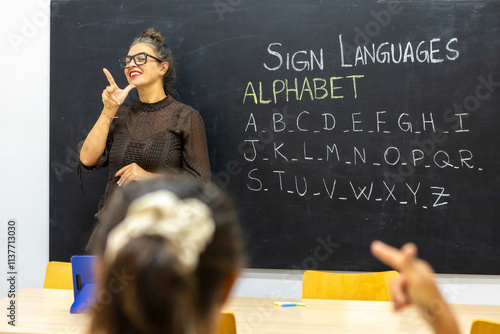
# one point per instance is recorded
(331, 123)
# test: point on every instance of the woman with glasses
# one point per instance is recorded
(156, 135)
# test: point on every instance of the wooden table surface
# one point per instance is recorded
(47, 311)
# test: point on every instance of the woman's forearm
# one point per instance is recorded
(95, 143)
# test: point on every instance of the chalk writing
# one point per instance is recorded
(318, 135)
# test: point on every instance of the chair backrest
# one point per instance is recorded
(58, 276)
(366, 286)
(227, 323)
(481, 326)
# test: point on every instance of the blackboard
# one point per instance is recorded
(331, 123)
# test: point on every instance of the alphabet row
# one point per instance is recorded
(391, 156)
(357, 123)
(399, 193)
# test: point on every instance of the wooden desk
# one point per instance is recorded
(43, 311)
(47, 311)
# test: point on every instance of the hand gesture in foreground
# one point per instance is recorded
(416, 285)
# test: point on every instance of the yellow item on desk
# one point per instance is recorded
(481, 326)
(367, 286)
(58, 276)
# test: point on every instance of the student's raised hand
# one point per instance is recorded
(416, 285)
(112, 95)
(416, 282)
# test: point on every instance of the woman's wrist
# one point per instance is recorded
(110, 111)
(151, 175)
(109, 114)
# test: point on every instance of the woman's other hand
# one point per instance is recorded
(132, 172)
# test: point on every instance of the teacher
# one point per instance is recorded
(157, 135)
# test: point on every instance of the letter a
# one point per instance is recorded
(251, 121)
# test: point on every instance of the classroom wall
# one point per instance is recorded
(24, 171)
(24, 138)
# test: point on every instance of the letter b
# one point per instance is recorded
(276, 120)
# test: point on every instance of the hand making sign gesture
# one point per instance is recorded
(112, 95)
(416, 285)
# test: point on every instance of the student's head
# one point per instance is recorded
(154, 61)
(169, 249)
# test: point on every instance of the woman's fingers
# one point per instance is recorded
(126, 178)
(128, 89)
(111, 99)
(131, 173)
(123, 174)
(122, 94)
(113, 92)
(109, 76)
(121, 171)
(126, 174)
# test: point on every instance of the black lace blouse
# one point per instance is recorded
(166, 136)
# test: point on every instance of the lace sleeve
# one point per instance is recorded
(195, 159)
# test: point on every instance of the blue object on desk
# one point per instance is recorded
(84, 282)
(287, 304)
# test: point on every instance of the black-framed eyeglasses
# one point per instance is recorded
(140, 59)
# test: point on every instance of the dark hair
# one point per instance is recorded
(154, 38)
(157, 297)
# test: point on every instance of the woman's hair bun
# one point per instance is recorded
(155, 39)
(154, 34)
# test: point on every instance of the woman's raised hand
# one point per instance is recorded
(113, 96)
